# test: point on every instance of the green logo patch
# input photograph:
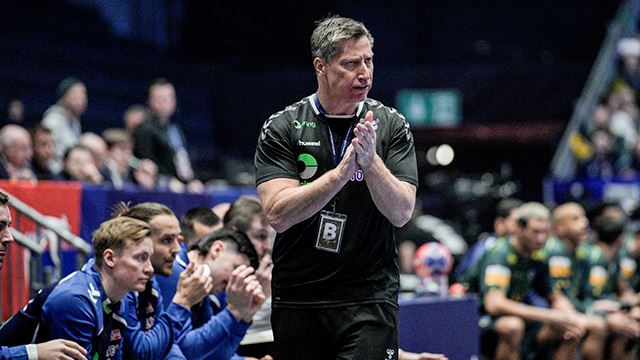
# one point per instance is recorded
(307, 166)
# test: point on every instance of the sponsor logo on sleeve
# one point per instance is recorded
(598, 276)
(628, 267)
(497, 275)
(560, 266)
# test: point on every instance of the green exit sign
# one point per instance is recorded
(424, 107)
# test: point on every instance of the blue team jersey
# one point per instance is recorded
(217, 335)
(151, 331)
(78, 309)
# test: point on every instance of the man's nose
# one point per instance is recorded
(148, 268)
(6, 236)
(364, 72)
(175, 249)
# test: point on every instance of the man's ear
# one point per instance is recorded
(109, 258)
(216, 248)
(319, 65)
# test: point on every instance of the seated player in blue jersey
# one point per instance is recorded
(195, 224)
(218, 331)
(246, 215)
(85, 306)
(152, 329)
(54, 349)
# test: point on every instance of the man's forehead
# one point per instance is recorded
(143, 246)
(539, 223)
(235, 256)
(165, 223)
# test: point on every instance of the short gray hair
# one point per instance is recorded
(330, 31)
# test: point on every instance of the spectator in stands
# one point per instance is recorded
(86, 306)
(162, 141)
(571, 227)
(598, 290)
(596, 149)
(79, 166)
(15, 113)
(43, 152)
(606, 162)
(99, 152)
(630, 168)
(63, 118)
(123, 168)
(198, 222)
(54, 349)
(246, 214)
(628, 68)
(152, 328)
(16, 153)
(508, 271)
(624, 115)
(134, 116)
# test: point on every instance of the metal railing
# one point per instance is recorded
(46, 239)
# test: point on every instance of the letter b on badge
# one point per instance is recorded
(330, 231)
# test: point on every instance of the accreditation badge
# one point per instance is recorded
(330, 231)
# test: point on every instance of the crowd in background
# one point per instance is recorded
(607, 145)
(147, 150)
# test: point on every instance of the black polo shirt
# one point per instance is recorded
(295, 143)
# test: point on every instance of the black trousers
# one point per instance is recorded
(355, 332)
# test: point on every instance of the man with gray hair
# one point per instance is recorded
(16, 152)
(336, 172)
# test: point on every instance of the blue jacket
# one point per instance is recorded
(151, 331)
(76, 310)
(219, 336)
(13, 353)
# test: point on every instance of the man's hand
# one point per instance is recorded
(571, 325)
(405, 355)
(620, 323)
(61, 349)
(365, 142)
(263, 274)
(193, 286)
(348, 165)
(244, 294)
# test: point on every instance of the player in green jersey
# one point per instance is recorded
(507, 274)
(571, 226)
